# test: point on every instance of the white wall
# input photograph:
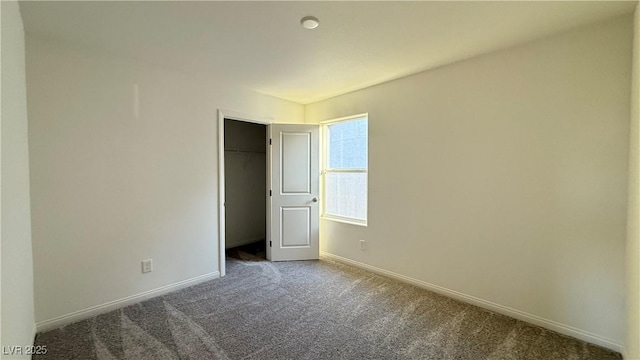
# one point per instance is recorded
(246, 182)
(116, 181)
(17, 265)
(504, 177)
(632, 342)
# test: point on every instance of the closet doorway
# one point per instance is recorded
(256, 155)
(245, 200)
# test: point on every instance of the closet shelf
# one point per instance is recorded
(246, 151)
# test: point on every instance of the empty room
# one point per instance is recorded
(320, 180)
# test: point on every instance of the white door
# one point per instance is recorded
(293, 212)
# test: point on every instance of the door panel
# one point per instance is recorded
(294, 216)
(296, 162)
(296, 226)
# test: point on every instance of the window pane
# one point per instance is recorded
(346, 195)
(347, 145)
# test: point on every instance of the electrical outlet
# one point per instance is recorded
(147, 266)
(363, 245)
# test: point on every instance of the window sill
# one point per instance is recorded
(344, 220)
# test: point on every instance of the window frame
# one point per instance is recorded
(324, 154)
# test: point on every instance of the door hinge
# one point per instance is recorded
(270, 193)
(269, 141)
(269, 243)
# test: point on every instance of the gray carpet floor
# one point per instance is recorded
(307, 310)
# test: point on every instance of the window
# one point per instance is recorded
(345, 169)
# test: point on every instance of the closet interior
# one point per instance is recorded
(245, 162)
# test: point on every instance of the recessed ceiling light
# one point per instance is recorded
(309, 22)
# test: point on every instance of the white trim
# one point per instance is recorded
(232, 115)
(119, 303)
(505, 310)
(360, 171)
(344, 220)
(345, 118)
(268, 193)
(222, 265)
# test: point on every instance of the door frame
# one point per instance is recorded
(232, 115)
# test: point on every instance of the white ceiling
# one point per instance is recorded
(261, 45)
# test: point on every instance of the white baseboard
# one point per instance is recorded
(501, 309)
(116, 304)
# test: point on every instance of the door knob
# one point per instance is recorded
(314, 199)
